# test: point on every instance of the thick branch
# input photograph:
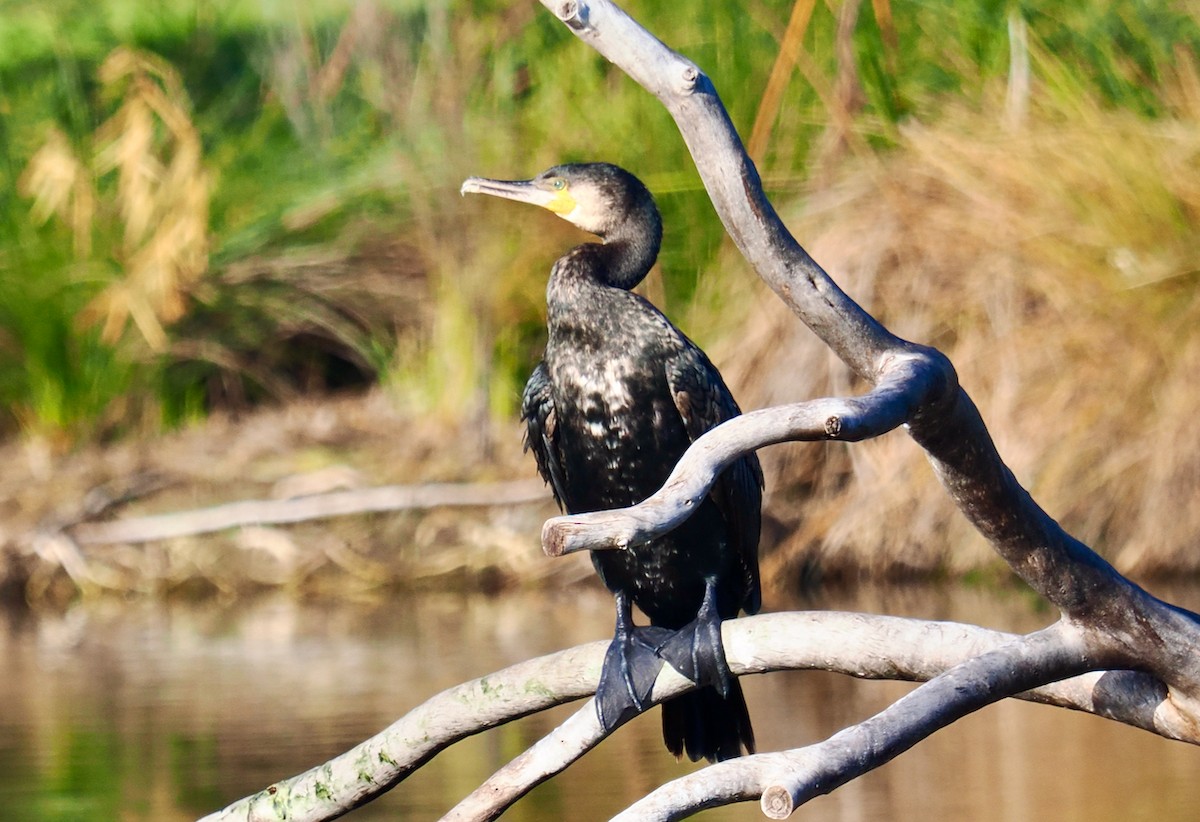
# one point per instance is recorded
(383, 761)
(874, 647)
(789, 779)
(884, 408)
(1108, 621)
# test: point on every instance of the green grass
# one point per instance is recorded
(310, 161)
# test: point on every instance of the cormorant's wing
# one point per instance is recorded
(541, 429)
(704, 402)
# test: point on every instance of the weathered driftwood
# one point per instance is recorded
(861, 645)
(307, 508)
(1108, 627)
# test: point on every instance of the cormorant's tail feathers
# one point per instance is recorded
(705, 725)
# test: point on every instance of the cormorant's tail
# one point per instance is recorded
(707, 725)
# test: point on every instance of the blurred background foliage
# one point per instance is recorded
(210, 205)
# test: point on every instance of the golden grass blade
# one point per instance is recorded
(781, 72)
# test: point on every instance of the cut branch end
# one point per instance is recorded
(597, 531)
(776, 802)
(573, 13)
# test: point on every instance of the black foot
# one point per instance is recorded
(630, 668)
(696, 651)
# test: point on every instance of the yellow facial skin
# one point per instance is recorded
(561, 201)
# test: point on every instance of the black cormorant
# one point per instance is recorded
(618, 398)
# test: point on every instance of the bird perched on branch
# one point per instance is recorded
(618, 398)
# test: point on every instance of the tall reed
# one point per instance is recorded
(313, 134)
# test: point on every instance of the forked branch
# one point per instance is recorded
(788, 779)
(1118, 624)
(1107, 622)
(866, 646)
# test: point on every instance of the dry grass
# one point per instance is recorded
(160, 199)
(1058, 266)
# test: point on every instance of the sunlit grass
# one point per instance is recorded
(1057, 264)
(160, 199)
(322, 129)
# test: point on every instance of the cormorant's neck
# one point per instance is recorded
(630, 249)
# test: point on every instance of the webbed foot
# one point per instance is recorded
(630, 667)
(696, 650)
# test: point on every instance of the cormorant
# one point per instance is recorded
(618, 398)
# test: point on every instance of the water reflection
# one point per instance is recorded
(159, 712)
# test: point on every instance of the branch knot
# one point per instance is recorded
(689, 76)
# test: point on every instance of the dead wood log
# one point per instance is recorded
(304, 509)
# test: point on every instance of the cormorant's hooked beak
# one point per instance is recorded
(523, 191)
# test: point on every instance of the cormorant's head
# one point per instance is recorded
(600, 198)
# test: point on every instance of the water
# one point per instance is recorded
(146, 711)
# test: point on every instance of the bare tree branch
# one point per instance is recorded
(788, 779)
(548, 756)
(882, 409)
(945, 422)
(860, 645)
(1117, 623)
(383, 761)
(1126, 625)
(304, 509)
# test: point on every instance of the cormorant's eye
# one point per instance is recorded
(558, 184)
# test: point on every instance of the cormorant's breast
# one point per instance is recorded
(620, 431)
(620, 435)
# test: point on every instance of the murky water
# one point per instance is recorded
(168, 712)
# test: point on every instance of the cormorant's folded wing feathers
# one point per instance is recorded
(704, 402)
(537, 410)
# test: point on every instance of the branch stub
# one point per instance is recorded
(689, 76)
(776, 802)
(833, 425)
(573, 13)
